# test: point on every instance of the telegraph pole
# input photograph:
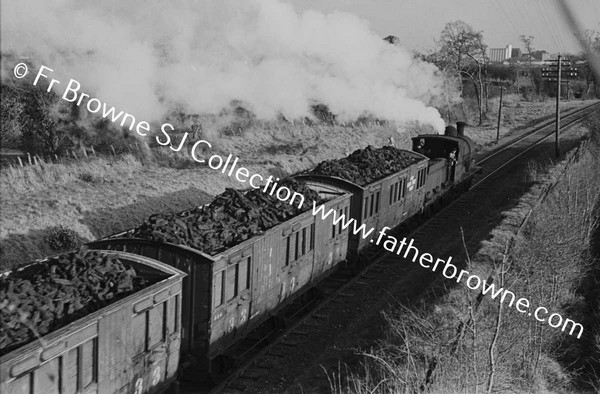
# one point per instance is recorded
(499, 115)
(556, 144)
(555, 73)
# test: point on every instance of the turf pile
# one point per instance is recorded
(367, 165)
(231, 218)
(46, 296)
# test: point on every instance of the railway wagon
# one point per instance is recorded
(386, 201)
(229, 294)
(129, 346)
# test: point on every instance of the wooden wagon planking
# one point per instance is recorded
(131, 345)
(385, 202)
(227, 295)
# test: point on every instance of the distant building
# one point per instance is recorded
(516, 52)
(500, 54)
(538, 55)
(549, 56)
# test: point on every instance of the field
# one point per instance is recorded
(101, 196)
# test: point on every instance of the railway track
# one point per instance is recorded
(504, 155)
(462, 222)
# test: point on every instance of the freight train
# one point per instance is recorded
(241, 270)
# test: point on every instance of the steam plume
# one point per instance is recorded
(146, 57)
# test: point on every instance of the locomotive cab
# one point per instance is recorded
(451, 157)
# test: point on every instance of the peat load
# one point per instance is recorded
(367, 165)
(231, 218)
(45, 296)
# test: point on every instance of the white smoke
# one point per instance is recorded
(146, 57)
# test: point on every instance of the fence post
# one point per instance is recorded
(113, 150)
(84, 152)
(20, 162)
(56, 157)
(94, 152)
(74, 155)
(29, 158)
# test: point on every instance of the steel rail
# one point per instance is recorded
(535, 130)
(568, 124)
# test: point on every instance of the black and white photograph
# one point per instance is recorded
(299, 196)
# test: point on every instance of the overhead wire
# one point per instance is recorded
(554, 25)
(593, 58)
(534, 31)
(501, 8)
(554, 34)
(547, 32)
(561, 23)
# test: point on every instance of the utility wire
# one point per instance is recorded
(501, 8)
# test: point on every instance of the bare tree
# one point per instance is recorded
(590, 39)
(46, 122)
(460, 47)
(528, 42)
(11, 108)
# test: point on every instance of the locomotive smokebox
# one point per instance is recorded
(451, 131)
(460, 128)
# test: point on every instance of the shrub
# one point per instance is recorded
(60, 237)
(11, 109)
(90, 178)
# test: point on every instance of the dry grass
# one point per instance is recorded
(517, 114)
(21, 180)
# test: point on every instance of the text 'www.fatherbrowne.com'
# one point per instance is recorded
(449, 270)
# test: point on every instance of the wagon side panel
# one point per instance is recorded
(97, 353)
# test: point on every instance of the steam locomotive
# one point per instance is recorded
(226, 295)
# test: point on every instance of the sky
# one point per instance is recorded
(418, 22)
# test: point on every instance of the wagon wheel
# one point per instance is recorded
(367, 255)
(353, 263)
(467, 184)
(219, 368)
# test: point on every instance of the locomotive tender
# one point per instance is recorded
(227, 295)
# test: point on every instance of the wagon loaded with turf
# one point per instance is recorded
(90, 321)
(247, 255)
(387, 187)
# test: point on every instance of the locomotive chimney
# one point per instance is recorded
(450, 130)
(460, 128)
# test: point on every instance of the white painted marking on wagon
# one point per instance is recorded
(412, 182)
